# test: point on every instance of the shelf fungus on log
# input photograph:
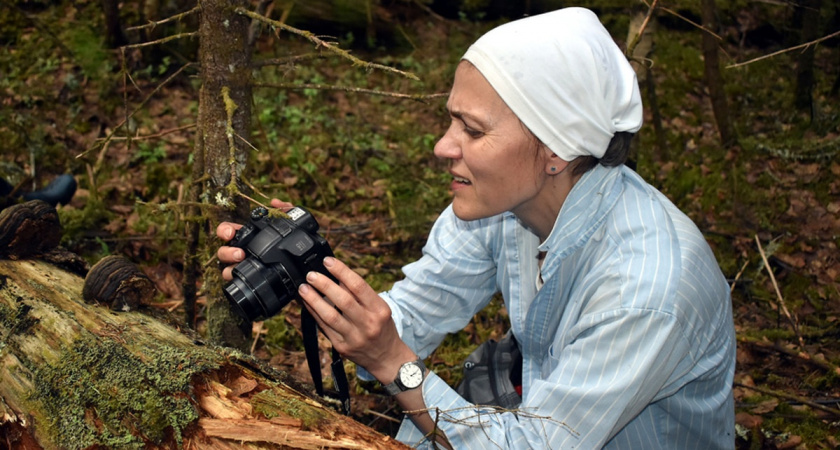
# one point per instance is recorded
(117, 282)
(28, 229)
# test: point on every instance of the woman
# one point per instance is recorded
(621, 312)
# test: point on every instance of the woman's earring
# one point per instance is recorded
(553, 169)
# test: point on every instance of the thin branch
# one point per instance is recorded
(321, 43)
(285, 61)
(632, 47)
(248, 143)
(325, 87)
(779, 293)
(162, 40)
(152, 136)
(153, 24)
(686, 19)
(786, 396)
(738, 276)
(776, 347)
(802, 46)
(143, 103)
(257, 202)
(37, 23)
(257, 334)
(381, 416)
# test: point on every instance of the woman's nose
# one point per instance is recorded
(446, 147)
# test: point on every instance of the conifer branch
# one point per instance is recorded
(327, 87)
(153, 24)
(162, 40)
(800, 46)
(319, 43)
(143, 103)
(636, 39)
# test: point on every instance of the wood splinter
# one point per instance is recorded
(117, 282)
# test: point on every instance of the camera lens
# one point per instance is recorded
(256, 291)
(243, 299)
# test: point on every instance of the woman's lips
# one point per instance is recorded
(459, 182)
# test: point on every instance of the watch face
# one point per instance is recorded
(411, 375)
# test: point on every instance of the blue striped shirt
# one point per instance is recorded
(628, 344)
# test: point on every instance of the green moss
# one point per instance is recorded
(271, 404)
(807, 425)
(101, 394)
(15, 320)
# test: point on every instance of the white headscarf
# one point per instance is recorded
(564, 77)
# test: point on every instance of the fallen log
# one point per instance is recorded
(75, 375)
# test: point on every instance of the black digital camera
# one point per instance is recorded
(279, 253)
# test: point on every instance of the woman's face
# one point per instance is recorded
(493, 158)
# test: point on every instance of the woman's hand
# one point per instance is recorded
(234, 255)
(359, 326)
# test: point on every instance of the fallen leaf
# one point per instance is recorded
(747, 420)
(792, 442)
(765, 406)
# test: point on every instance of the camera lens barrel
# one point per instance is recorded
(256, 291)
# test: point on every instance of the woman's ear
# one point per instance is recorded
(554, 165)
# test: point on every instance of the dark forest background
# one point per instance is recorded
(109, 92)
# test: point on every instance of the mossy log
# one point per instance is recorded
(76, 375)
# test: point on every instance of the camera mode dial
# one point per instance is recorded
(258, 213)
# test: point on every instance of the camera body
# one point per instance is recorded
(279, 253)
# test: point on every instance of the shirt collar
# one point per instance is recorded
(585, 208)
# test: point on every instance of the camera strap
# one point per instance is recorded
(309, 329)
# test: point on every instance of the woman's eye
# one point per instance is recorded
(473, 133)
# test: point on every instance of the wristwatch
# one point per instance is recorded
(410, 376)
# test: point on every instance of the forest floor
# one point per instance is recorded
(769, 206)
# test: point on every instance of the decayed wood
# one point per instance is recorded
(76, 375)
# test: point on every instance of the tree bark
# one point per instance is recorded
(640, 48)
(808, 21)
(75, 375)
(116, 37)
(714, 79)
(224, 123)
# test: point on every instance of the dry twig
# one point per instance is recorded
(689, 21)
(632, 47)
(326, 87)
(820, 363)
(153, 24)
(796, 398)
(162, 40)
(324, 44)
(142, 104)
(782, 305)
(802, 46)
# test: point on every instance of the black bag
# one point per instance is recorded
(492, 374)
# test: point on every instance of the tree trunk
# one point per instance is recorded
(224, 123)
(115, 35)
(640, 48)
(714, 79)
(74, 375)
(808, 21)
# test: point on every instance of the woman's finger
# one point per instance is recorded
(280, 204)
(351, 280)
(334, 293)
(227, 273)
(230, 255)
(226, 230)
(327, 316)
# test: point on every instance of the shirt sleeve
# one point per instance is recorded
(442, 291)
(618, 363)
